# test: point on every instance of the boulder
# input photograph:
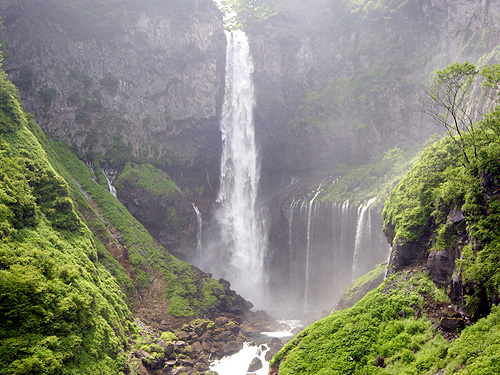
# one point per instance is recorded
(255, 365)
(230, 348)
(440, 266)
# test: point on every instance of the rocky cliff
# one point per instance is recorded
(120, 82)
(123, 80)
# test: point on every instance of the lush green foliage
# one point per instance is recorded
(61, 311)
(242, 14)
(147, 177)
(414, 199)
(363, 285)
(440, 183)
(381, 324)
(192, 289)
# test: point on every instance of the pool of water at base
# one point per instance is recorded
(238, 364)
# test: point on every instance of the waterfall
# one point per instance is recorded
(363, 228)
(240, 222)
(199, 224)
(310, 228)
(328, 244)
(109, 175)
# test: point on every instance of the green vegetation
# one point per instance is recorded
(373, 179)
(451, 175)
(362, 285)
(61, 310)
(380, 334)
(242, 14)
(192, 289)
(148, 177)
(381, 325)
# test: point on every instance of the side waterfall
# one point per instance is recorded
(363, 229)
(199, 226)
(242, 236)
(110, 175)
(328, 245)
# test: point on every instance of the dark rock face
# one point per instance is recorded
(168, 215)
(405, 253)
(440, 264)
(149, 78)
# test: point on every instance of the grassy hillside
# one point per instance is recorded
(61, 310)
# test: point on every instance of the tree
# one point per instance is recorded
(243, 13)
(447, 103)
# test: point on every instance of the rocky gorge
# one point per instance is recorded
(137, 92)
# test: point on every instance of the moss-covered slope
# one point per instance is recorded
(61, 310)
(75, 266)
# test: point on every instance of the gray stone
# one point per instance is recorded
(255, 365)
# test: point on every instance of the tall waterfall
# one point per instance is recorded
(242, 236)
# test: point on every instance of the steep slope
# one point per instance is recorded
(61, 310)
(442, 221)
(120, 81)
(76, 267)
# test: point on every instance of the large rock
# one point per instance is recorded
(230, 348)
(405, 253)
(440, 265)
(255, 365)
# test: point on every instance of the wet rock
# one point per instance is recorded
(183, 336)
(149, 360)
(451, 324)
(231, 347)
(255, 365)
(183, 370)
(380, 361)
(188, 362)
(206, 346)
(197, 347)
(274, 347)
(169, 350)
(249, 331)
(406, 253)
(440, 266)
(221, 321)
(179, 345)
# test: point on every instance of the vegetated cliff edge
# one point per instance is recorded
(120, 82)
(76, 268)
(436, 312)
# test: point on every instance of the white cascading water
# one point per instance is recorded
(199, 226)
(363, 228)
(310, 216)
(240, 223)
(111, 188)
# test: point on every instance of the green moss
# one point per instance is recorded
(381, 324)
(413, 200)
(61, 311)
(147, 177)
(194, 289)
(362, 285)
